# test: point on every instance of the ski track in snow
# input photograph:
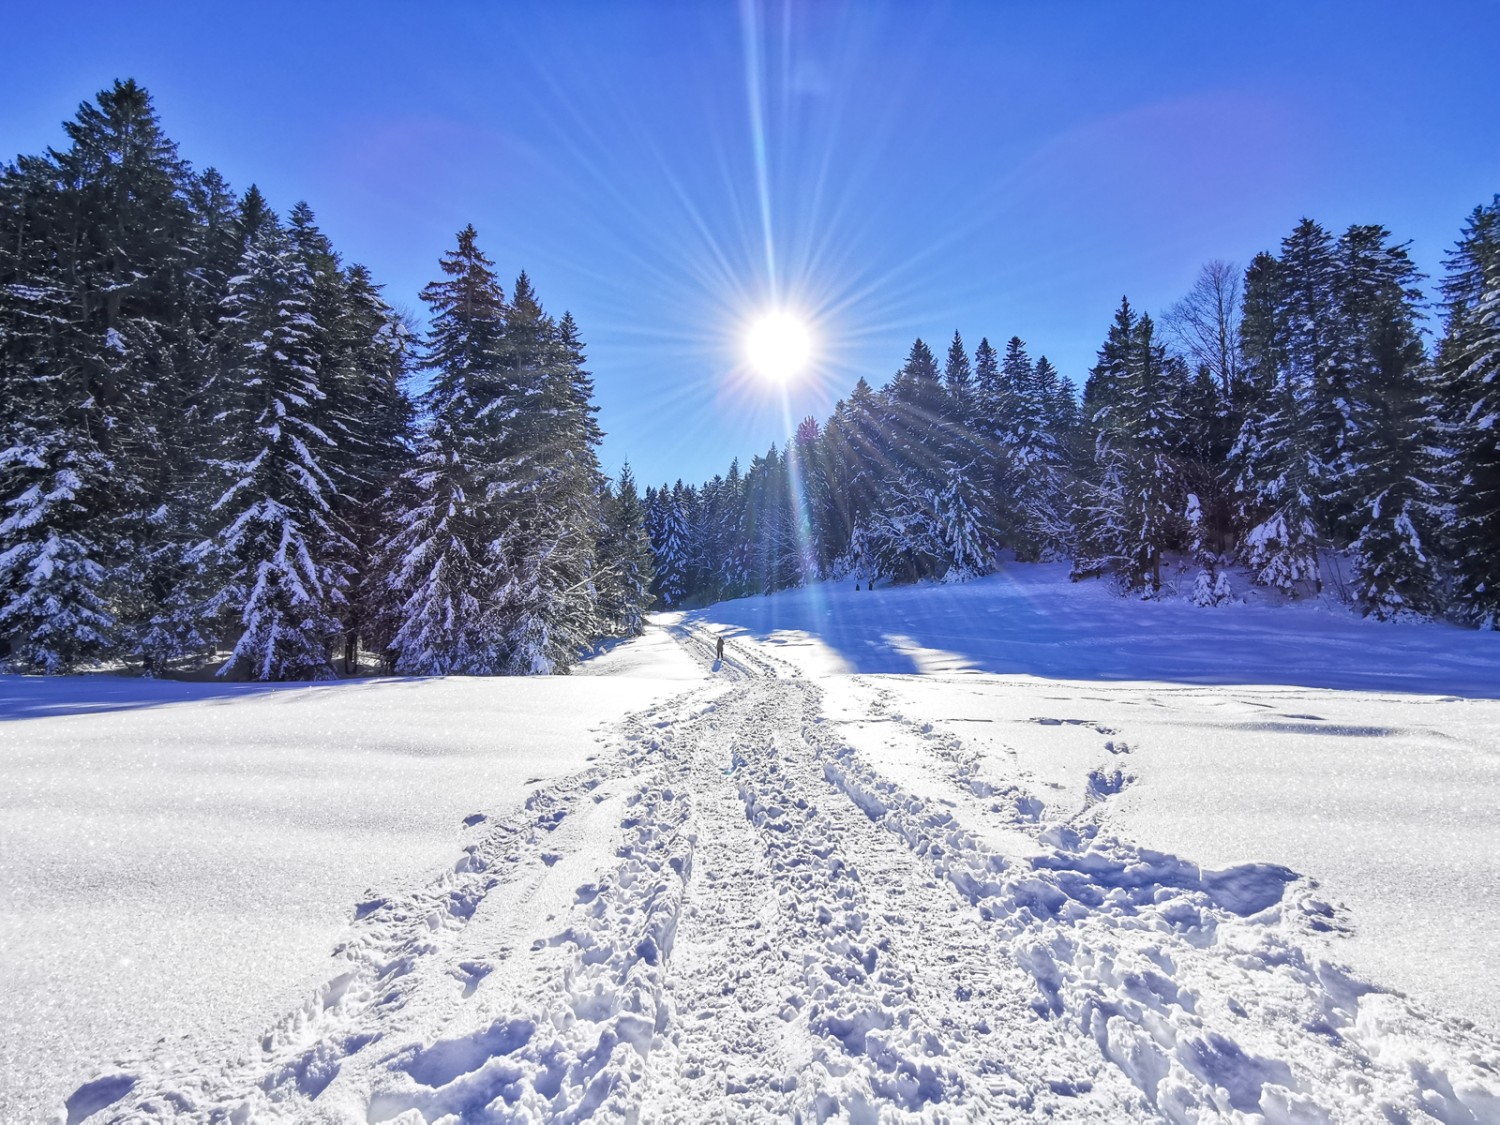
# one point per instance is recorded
(736, 915)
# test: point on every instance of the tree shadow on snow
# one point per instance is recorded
(40, 697)
(1029, 620)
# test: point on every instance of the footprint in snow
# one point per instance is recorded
(470, 973)
(1102, 784)
(99, 1094)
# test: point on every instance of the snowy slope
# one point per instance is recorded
(1130, 893)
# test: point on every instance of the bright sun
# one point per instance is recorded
(778, 346)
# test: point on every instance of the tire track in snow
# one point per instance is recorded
(896, 993)
(724, 1053)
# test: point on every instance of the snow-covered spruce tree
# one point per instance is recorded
(1388, 485)
(184, 572)
(921, 446)
(1315, 359)
(336, 413)
(1150, 412)
(731, 546)
(1274, 463)
(275, 541)
(441, 561)
(855, 448)
(959, 510)
(904, 536)
(1101, 536)
(52, 572)
(810, 485)
(665, 525)
(579, 485)
(958, 380)
(1139, 434)
(1211, 586)
(771, 524)
(91, 291)
(708, 543)
(544, 490)
(1035, 482)
(993, 408)
(1049, 513)
(52, 580)
(625, 562)
(694, 542)
(1467, 391)
(373, 351)
(915, 422)
(961, 407)
(169, 624)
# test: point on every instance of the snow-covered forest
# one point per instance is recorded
(1274, 418)
(210, 442)
(214, 443)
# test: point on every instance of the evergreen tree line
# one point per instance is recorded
(208, 441)
(1291, 417)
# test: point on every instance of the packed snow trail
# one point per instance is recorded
(735, 915)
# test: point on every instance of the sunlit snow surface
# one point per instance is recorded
(1014, 848)
(178, 860)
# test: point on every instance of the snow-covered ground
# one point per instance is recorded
(1010, 849)
(178, 860)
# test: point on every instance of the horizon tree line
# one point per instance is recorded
(1288, 418)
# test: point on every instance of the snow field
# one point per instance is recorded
(1390, 802)
(1196, 983)
(179, 859)
(788, 894)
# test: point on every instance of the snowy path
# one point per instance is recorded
(736, 914)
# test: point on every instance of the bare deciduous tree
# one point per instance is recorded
(1205, 325)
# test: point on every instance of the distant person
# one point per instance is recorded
(856, 587)
(719, 649)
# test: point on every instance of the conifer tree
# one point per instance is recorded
(1388, 488)
(442, 561)
(1467, 388)
(544, 490)
(94, 367)
(1136, 463)
(275, 541)
(1277, 463)
(958, 381)
(375, 350)
(626, 564)
(668, 544)
(959, 510)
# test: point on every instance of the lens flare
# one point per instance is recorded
(778, 346)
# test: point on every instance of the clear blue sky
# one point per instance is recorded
(999, 168)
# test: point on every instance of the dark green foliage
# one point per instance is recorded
(1467, 406)
(208, 443)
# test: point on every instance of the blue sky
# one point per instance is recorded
(892, 170)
